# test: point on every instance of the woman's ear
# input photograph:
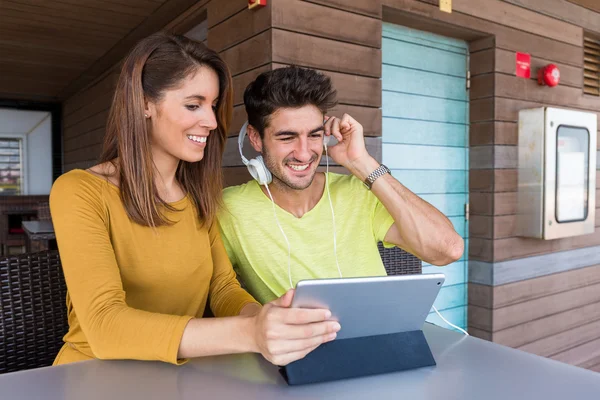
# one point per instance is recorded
(255, 139)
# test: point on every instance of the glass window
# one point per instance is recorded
(10, 167)
(572, 154)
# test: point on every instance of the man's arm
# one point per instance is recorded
(418, 228)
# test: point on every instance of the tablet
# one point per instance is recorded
(373, 305)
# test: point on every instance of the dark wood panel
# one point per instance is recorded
(85, 139)
(505, 37)
(481, 295)
(316, 20)
(502, 13)
(480, 333)
(518, 247)
(506, 317)
(530, 331)
(89, 153)
(589, 4)
(98, 89)
(485, 43)
(481, 180)
(482, 86)
(507, 109)
(569, 75)
(94, 121)
(134, 7)
(371, 7)
(239, 27)
(249, 54)
(239, 175)
(218, 11)
(481, 249)
(505, 180)
(481, 226)
(241, 81)
(325, 54)
(528, 90)
(482, 62)
(580, 354)
(481, 133)
(101, 17)
(481, 203)
(353, 89)
(400, 17)
(481, 110)
(519, 292)
(563, 10)
(164, 14)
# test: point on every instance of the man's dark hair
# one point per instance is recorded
(290, 87)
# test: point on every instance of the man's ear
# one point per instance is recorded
(255, 139)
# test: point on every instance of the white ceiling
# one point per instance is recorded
(20, 122)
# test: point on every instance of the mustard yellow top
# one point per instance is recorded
(132, 289)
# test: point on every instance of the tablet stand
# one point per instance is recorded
(361, 356)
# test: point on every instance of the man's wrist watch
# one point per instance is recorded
(379, 172)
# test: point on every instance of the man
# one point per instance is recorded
(286, 109)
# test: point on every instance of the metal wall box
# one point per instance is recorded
(557, 173)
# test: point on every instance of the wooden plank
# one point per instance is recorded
(399, 17)
(589, 4)
(481, 133)
(505, 203)
(325, 54)
(505, 180)
(241, 81)
(480, 318)
(353, 89)
(97, 90)
(530, 331)
(39, 20)
(168, 11)
(569, 75)
(481, 249)
(482, 62)
(481, 203)
(505, 37)
(580, 354)
(85, 139)
(480, 333)
(218, 11)
(485, 43)
(481, 157)
(249, 54)
(481, 110)
(88, 153)
(239, 27)
(500, 12)
(129, 8)
(507, 109)
(481, 295)
(505, 226)
(481, 180)
(564, 11)
(315, 20)
(528, 90)
(519, 292)
(482, 86)
(481, 226)
(91, 123)
(518, 247)
(506, 317)
(99, 17)
(371, 8)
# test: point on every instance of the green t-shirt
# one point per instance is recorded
(258, 250)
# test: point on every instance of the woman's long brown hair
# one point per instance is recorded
(158, 63)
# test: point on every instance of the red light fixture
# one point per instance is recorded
(256, 3)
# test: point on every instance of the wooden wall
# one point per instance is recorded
(556, 315)
(302, 33)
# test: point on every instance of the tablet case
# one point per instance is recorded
(361, 356)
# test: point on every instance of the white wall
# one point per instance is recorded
(39, 158)
(35, 129)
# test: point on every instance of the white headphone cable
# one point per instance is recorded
(284, 235)
(332, 213)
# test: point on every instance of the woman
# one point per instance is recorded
(140, 248)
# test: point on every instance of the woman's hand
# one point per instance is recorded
(283, 334)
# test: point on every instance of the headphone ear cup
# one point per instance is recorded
(259, 170)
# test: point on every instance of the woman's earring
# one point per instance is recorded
(146, 115)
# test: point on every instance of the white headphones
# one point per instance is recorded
(256, 166)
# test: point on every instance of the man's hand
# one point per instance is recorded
(350, 152)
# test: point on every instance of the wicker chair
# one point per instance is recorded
(399, 262)
(33, 314)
